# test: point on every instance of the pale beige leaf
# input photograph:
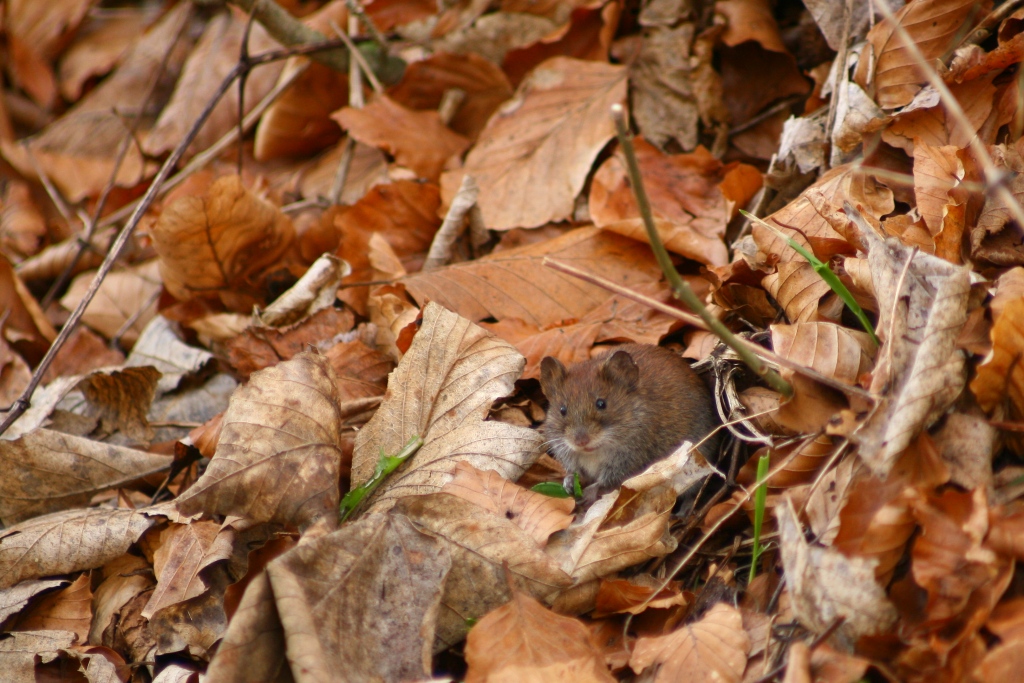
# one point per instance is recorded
(714, 648)
(524, 641)
(123, 580)
(15, 598)
(68, 541)
(920, 371)
(825, 585)
(487, 552)
(159, 346)
(20, 651)
(536, 514)
(362, 600)
(279, 453)
(937, 170)
(534, 156)
(441, 391)
(125, 296)
(45, 471)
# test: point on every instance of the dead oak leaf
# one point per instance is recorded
(279, 453)
(534, 156)
(999, 385)
(714, 648)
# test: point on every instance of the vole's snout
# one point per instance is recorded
(580, 438)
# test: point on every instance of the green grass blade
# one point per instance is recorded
(385, 466)
(760, 500)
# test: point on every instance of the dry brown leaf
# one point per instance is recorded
(833, 350)
(185, 551)
(14, 599)
(221, 244)
(964, 578)
(26, 326)
(99, 45)
(536, 152)
(68, 541)
(69, 609)
(801, 221)
(937, 170)
(934, 26)
(1005, 659)
(362, 600)
(536, 514)
(933, 126)
(714, 648)
(121, 400)
(369, 167)
(279, 453)
(636, 594)
(691, 211)
(999, 384)
(15, 374)
(21, 651)
(425, 82)
(253, 647)
(522, 640)
(35, 35)
(441, 391)
(211, 60)
(919, 371)
(160, 347)
(514, 283)
(125, 296)
(123, 579)
(28, 487)
(418, 140)
(487, 553)
(258, 347)
(22, 226)
(79, 151)
(798, 289)
(824, 585)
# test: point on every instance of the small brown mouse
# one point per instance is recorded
(609, 418)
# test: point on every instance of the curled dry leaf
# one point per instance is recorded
(160, 347)
(362, 600)
(714, 648)
(488, 552)
(932, 26)
(221, 244)
(123, 580)
(279, 453)
(536, 514)
(524, 641)
(920, 371)
(69, 609)
(442, 390)
(798, 289)
(16, 598)
(68, 541)
(28, 487)
(824, 585)
(534, 156)
(833, 350)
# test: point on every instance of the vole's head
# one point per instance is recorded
(589, 402)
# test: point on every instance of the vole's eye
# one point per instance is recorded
(562, 410)
(600, 403)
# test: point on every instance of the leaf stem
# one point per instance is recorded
(682, 290)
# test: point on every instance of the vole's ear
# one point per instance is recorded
(621, 369)
(552, 375)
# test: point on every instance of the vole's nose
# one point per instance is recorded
(581, 439)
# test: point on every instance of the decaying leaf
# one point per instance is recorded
(441, 391)
(279, 453)
(825, 585)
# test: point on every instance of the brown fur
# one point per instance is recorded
(653, 402)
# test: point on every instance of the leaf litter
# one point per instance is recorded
(285, 313)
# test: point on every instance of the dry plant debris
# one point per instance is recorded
(226, 298)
